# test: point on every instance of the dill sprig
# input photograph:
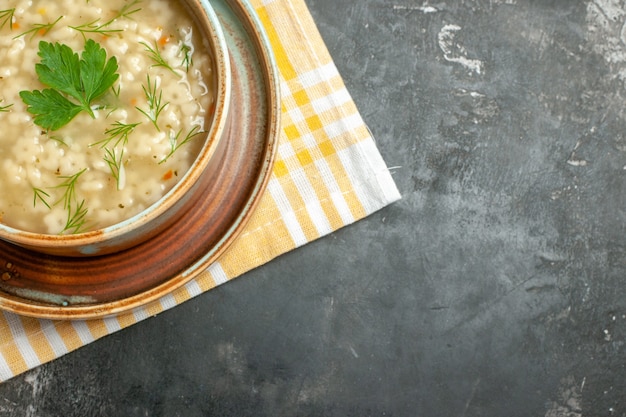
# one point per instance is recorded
(59, 139)
(175, 144)
(93, 27)
(116, 92)
(40, 195)
(186, 51)
(6, 16)
(76, 211)
(69, 186)
(127, 10)
(103, 28)
(119, 135)
(154, 98)
(5, 109)
(39, 28)
(76, 218)
(119, 132)
(159, 61)
(116, 164)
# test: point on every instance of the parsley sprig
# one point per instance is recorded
(83, 79)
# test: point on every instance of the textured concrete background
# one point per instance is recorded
(494, 288)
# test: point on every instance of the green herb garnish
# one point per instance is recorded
(116, 164)
(119, 135)
(40, 195)
(58, 139)
(154, 102)
(6, 16)
(69, 186)
(84, 79)
(93, 27)
(127, 10)
(159, 61)
(5, 109)
(119, 132)
(116, 92)
(175, 144)
(39, 28)
(103, 28)
(76, 211)
(76, 218)
(187, 60)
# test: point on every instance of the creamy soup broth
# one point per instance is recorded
(36, 164)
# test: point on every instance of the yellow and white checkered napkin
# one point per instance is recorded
(328, 174)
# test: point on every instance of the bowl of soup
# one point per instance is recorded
(112, 114)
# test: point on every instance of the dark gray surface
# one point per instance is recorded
(495, 287)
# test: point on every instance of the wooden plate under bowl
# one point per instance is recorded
(56, 287)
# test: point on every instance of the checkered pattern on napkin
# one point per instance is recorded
(328, 174)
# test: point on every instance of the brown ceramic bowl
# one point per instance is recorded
(181, 197)
(67, 287)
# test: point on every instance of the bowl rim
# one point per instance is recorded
(45, 243)
(240, 21)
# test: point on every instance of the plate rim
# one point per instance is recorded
(247, 18)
